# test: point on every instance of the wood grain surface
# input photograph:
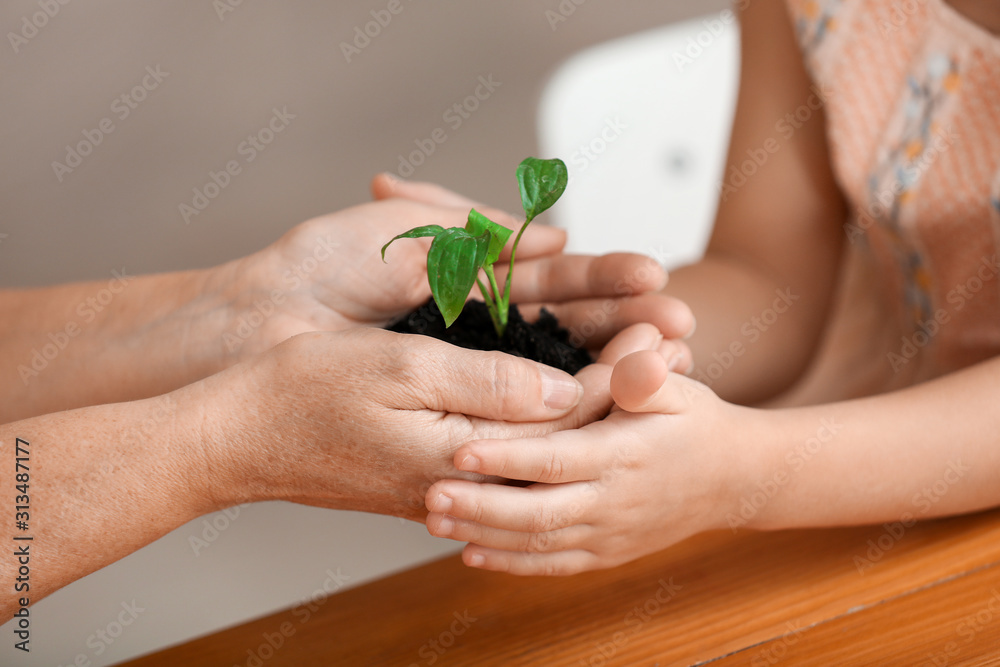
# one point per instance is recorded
(872, 595)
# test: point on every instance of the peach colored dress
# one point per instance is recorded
(913, 122)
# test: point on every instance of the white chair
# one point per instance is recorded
(643, 124)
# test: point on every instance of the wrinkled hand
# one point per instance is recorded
(368, 419)
(327, 275)
(663, 468)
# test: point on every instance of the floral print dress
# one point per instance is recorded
(913, 121)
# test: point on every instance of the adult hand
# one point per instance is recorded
(593, 297)
(327, 275)
(368, 419)
(364, 420)
(141, 336)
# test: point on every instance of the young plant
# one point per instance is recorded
(457, 254)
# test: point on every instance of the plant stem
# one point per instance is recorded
(499, 310)
(504, 303)
(491, 306)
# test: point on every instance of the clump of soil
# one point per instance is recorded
(544, 340)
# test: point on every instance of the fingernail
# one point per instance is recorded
(560, 391)
(477, 560)
(445, 526)
(674, 362)
(469, 463)
(392, 178)
(442, 504)
(694, 325)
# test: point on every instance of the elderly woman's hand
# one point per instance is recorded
(368, 419)
(362, 420)
(327, 275)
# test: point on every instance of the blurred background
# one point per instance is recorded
(199, 78)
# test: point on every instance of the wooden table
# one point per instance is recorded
(927, 594)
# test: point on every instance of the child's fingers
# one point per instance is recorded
(442, 525)
(538, 509)
(561, 563)
(558, 458)
(678, 356)
(641, 336)
(595, 378)
(641, 382)
(637, 378)
(531, 439)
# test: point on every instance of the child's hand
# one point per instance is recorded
(645, 478)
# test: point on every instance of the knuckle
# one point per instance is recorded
(552, 468)
(543, 542)
(397, 359)
(512, 379)
(433, 525)
(536, 542)
(478, 513)
(541, 520)
(624, 458)
(469, 532)
(506, 467)
(300, 345)
(550, 273)
(597, 274)
(501, 564)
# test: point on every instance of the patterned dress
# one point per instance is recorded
(913, 123)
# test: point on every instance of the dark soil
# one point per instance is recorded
(544, 341)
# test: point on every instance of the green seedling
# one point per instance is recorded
(457, 254)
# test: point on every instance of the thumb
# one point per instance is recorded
(490, 385)
(643, 382)
(596, 381)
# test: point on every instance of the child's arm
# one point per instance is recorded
(780, 230)
(637, 483)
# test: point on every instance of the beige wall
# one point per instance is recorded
(120, 208)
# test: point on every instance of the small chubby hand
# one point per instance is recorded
(664, 467)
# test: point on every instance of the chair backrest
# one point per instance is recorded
(643, 124)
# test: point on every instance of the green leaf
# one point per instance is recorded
(542, 182)
(453, 263)
(499, 235)
(415, 233)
